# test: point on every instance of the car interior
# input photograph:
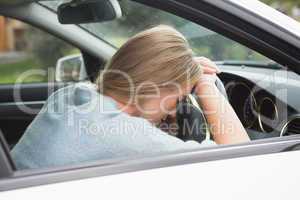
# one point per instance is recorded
(262, 92)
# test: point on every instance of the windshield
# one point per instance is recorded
(137, 17)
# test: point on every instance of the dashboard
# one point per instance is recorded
(265, 100)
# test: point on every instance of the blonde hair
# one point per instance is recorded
(160, 56)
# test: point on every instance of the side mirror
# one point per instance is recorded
(70, 69)
(88, 11)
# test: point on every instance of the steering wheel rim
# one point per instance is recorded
(191, 120)
(221, 87)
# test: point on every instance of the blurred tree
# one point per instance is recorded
(45, 48)
(136, 17)
(295, 2)
(286, 6)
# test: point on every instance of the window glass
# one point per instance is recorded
(137, 17)
(28, 54)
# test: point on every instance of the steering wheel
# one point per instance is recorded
(191, 121)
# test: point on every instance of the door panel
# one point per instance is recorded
(272, 176)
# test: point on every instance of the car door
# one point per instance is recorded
(253, 177)
(234, 171)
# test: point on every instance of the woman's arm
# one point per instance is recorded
(226, 127)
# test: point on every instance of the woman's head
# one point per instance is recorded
(150, 72)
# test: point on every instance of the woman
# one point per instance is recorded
(116, 117)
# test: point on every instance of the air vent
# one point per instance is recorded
(292, 127)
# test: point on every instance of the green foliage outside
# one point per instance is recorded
(42, 52)
(10, 72)
(285, 6)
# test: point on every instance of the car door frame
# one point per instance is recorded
(187, 9)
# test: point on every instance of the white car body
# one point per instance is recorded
(230, 173)
(257, 177)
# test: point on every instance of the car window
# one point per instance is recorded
(137, 17)
(28, 54)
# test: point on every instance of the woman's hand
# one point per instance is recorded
(209, 76)
(208, 66)
(226, 127)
